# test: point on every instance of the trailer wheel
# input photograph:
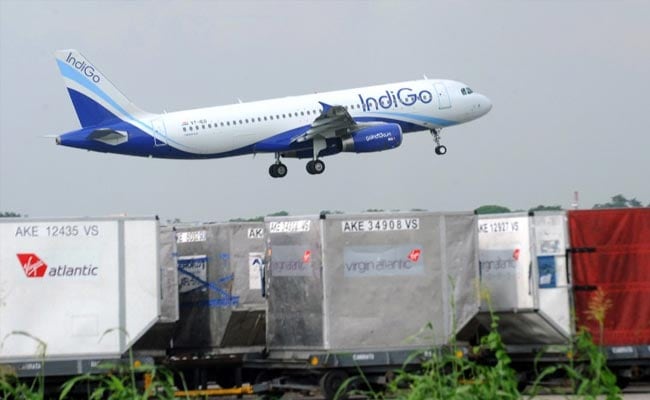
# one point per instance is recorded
(331, 381)
(622, 381)
(523, 379)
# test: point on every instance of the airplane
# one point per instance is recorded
(361, 120)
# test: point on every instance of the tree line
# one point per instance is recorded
(617, 201)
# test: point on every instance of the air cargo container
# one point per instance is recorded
(370, 281)
(610, 260)
(525, 278)
(366, 290)
(74, 291)
(546, 273)
(220, 268)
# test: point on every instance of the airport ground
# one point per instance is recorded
(635, 391)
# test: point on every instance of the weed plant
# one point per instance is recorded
(13, 388)
(119, 383)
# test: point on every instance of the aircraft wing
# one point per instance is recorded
(332, 122)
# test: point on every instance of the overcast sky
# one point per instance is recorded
(568, 80)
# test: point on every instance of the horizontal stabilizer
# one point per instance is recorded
(109, 136)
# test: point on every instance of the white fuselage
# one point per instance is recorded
(228, 128)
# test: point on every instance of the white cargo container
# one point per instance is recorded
(523, 268)
(85, 288)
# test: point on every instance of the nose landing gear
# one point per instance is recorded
(440, 149)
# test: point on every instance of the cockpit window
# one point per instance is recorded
(469, 91)
(463, 91)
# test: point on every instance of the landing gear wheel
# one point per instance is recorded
(331, 381)
(315, 167)
(281, 170)
(440, 149)
(278, 170)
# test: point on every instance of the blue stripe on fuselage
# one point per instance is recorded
(139, 144)
(424, 118)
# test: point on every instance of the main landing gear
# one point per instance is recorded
(315, 167)
(278, 170)
(440, 149)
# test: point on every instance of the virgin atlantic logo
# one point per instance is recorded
(33, 266)
(414, 255)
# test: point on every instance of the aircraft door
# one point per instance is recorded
(159, 127)
(443, 96)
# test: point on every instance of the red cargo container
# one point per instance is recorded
(615, 258)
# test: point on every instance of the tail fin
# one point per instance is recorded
(94, 97)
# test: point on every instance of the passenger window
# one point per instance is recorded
(190, 128)
(221, 124)
(284, 116)
(277, 116)
(228, 123)
(202, 126)
(241, 122)
(271, 117)
(184, 129)
(302, 113)
(265, 118)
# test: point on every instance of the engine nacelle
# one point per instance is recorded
(375, 138)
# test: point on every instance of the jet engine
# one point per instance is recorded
(374, 138)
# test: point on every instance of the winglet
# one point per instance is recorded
(326, 107)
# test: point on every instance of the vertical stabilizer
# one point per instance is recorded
(95, 99)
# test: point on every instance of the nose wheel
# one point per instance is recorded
(315, 167)
(440, 149)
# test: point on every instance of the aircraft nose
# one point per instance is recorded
(485, 105)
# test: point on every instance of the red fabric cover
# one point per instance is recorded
(620, 267)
